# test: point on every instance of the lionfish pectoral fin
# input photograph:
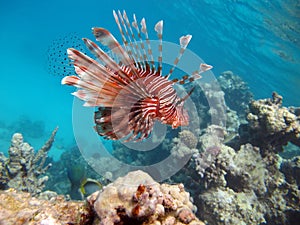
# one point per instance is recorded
(141, 118)
(195, 75)
(113, 123)
(186, 96)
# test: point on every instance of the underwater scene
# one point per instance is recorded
(150, 112)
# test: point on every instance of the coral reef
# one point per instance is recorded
(137, 199)
(210, 148)
(17, 208)
(184, 145)
(237, 93)
(23, 169)
(246, 187)
(270, 125)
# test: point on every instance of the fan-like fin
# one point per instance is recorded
(107, 39)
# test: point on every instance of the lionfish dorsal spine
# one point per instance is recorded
(145, 32)
(107, 39)
(130, 43)
(159, 29)
(134, 43)
(128, 46)
(144, 54)
(184, 41)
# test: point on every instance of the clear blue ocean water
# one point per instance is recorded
(257, 40)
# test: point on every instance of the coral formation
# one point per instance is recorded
(184, 145)
(17, 208)
(137, 199)
(252, 185)
(210, 148)
(270, 125)
(237, 93)
(23, 169)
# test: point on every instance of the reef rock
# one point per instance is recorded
(137, 199)
(246, 187)
(18, 208)
(270, 125)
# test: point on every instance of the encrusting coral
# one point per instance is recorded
(137, 199)
(23, 169)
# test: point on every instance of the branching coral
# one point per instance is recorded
(23, 169)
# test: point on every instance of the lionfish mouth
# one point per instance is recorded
(127, 86)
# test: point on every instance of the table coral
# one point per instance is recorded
(23, 169)
(137, 199)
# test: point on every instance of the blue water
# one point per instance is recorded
(258, 40)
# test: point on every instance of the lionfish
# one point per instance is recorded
(127, 87)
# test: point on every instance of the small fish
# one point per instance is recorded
(129, 89)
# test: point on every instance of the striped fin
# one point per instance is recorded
(113, 66)
(131, 37)
(107, 39)
(195, 75)
(145, 32)
(93, 79)
(144, 54)
(138, 49)
(159, 29)
(184, 41)
(104, 126)
(108, 62)
(129, 47)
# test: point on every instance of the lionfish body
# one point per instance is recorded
(130, 91)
